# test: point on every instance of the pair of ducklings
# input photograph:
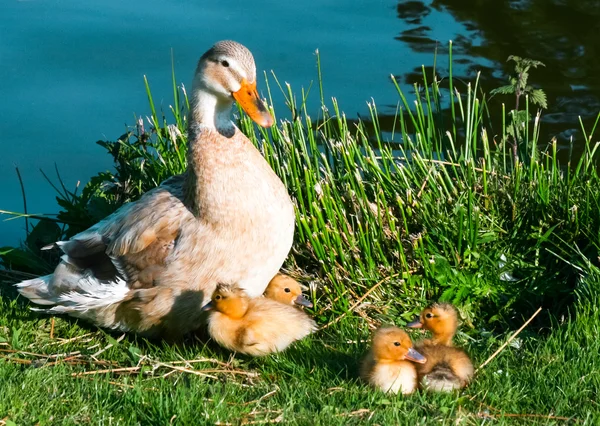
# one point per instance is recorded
(394, 365)
(263, 325)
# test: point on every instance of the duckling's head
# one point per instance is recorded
(393, 344)
(227, 72)
(441, 319)
(229, 300)
(285, 289)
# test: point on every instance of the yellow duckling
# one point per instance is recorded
(447, 367)
(284, 289)
(388, 365)
(254, 326)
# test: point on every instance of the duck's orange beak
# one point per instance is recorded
(248, 99)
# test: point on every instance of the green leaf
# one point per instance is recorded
(538, 97)
(14, 339)
(43, 233)
(135, 352)
(111, 340)
(504, 90)
(23, 260)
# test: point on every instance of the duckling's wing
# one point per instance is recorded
(447, 367)
(250, 338)
(126, 249)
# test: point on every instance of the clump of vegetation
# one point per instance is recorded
(447, 212)
(518, 87)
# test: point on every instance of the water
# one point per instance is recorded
(71, 72)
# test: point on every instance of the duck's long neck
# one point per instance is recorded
(209, 118)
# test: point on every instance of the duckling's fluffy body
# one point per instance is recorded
(387, 366)
(447, 367)
(257, 326)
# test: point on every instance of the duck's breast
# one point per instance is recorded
(245, 223)
(400, 377)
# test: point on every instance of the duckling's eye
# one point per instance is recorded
(429, 315)
(225, 63)
(396, 343)
(218, 297)
(287, 290)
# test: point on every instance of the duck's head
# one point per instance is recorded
(393, 344)
(228, 300)
(226, 72)
(441, 319)
(285, 289)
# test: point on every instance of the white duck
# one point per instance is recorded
(153, 264)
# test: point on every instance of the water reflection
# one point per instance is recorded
(72, 71)
(560, 33)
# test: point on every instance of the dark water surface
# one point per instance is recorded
(71, 71)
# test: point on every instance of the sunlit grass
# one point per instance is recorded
(58, 375)
(441, 208)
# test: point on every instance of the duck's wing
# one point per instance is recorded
(134, 240)
(126, 250)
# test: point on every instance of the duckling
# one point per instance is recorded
(284, 289)
(254, 326)
(447, 367)
(387, 365)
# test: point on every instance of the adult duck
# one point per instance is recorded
(151, 266)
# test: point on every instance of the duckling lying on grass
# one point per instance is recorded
(284, 289)
(254, 326)
(447, 368)
(388, 365)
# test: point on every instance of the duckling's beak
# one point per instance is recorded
(208, 306)
(415, 324)
(247, 98)
(302, 300)
(415, 356)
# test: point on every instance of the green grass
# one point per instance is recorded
(314, 382)
(440, 209)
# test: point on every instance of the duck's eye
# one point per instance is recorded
(396, 343)
(287, 290)
(429, 315)
(218, 297)
(225, 63)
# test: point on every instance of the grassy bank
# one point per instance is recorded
(59, 376)
(442, 208)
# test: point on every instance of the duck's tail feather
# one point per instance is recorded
(90, 296)
(72, 290)
(37, 290)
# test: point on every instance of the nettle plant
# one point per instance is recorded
(519, 87)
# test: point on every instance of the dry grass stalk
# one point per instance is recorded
(515, 334)
(359, 301)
